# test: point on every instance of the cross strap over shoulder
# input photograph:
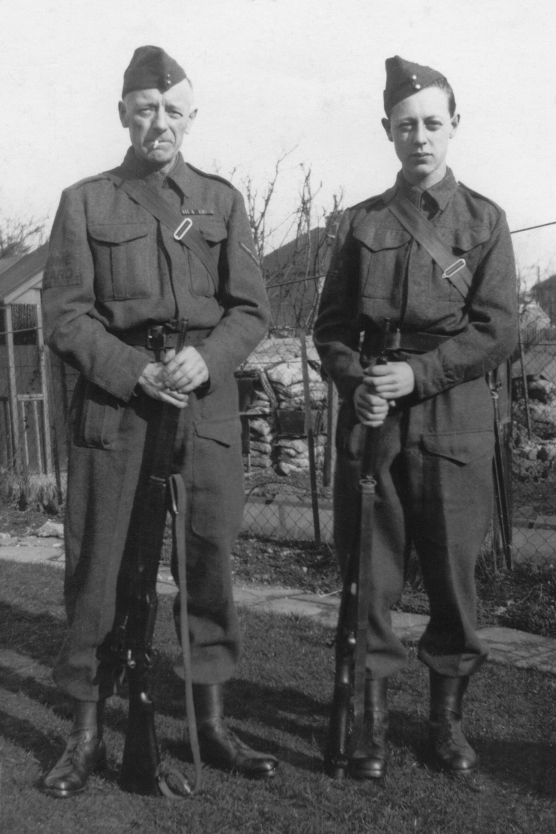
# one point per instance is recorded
(182, 228)
(453, 269)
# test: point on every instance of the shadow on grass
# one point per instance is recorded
(529, 765)
(26, 735)
(297, 718)
(517, 765)
(37, 635)
(284, 709)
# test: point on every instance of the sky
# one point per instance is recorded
(301, 78)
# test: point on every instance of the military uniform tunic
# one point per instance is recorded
(113, 268)
(435, 460)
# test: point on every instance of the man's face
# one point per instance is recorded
(420, 128)
(158, 121)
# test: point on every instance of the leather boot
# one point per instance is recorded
(219, 746)
(369, 759)
(450, 749)
(84, 753)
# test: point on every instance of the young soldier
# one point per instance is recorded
(116, 275)
(452, 324)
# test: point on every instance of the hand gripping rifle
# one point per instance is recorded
(141, 770)
(348, 701)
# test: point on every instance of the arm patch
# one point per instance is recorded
(59, 272)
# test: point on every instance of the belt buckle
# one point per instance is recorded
(156, 337)
(183, 228)
(451, 270)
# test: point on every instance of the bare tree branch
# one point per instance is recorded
(17, 236)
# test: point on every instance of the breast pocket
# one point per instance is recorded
(125, 261)
(383, 253)
(466, 244)
(214, 233)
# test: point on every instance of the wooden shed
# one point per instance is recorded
(26, 393)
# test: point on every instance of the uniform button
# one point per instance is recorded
(417, 86)
(414, 78)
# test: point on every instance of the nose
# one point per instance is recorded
(160, 122)
(419, 137)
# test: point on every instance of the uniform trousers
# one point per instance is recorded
(108, 463)
(435, 492)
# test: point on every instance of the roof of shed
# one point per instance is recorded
(20, 270)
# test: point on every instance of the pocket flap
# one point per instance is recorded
(466, 238)
(462, 447)
(226, 432)
(212, 229)
(118, 232)
(380, 237)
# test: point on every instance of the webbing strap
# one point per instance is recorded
(453, 269)
(187, 235)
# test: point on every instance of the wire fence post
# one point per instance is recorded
(310, 437)
(331, 420)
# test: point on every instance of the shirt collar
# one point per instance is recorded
(137, 168)
(440, 193)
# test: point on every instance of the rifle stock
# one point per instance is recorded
(141, 771)
(336, 753)
(347, 709)
(141, 758)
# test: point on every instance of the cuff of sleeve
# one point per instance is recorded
(347, 385)
(127, 375)
(217, 369)
(429, 376)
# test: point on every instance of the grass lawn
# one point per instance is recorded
(278, 702)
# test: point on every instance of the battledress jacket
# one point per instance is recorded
(379, 271)
(112, 269)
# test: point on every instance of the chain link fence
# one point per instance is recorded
(534, 442)
(288, 415)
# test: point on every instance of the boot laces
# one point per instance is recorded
(450, 730)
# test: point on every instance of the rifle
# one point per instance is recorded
(501, 472)
(348, 700)
(141, 770)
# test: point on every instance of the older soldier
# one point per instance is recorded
(115, 271)
(435, 258)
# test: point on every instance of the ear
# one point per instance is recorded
(122, 110)
(388, 128)
(190, 119)
(454, 121)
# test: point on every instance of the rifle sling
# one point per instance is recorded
(178, 504)
(368, 498)
(152, 202)
(453, 269)
(500, 481)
